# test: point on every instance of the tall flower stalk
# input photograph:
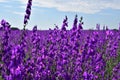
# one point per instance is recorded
(28, 13)
(5, 51)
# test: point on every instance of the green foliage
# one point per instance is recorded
(115, 29)
(1, 78)
(14, 28)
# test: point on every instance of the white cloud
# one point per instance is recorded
(19, 13)
(3, 0)
(84, 6)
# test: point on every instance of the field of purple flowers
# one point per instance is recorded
(59, 54)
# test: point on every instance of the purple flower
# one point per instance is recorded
(75, 23)
(85, 75)
(65, 23)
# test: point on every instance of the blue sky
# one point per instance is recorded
(46, 13)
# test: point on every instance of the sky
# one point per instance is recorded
(46, 13)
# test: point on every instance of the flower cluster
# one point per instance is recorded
(62, 54)
(59, 54)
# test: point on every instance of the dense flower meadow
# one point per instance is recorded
(59, 54)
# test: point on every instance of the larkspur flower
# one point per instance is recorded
(28, 13)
